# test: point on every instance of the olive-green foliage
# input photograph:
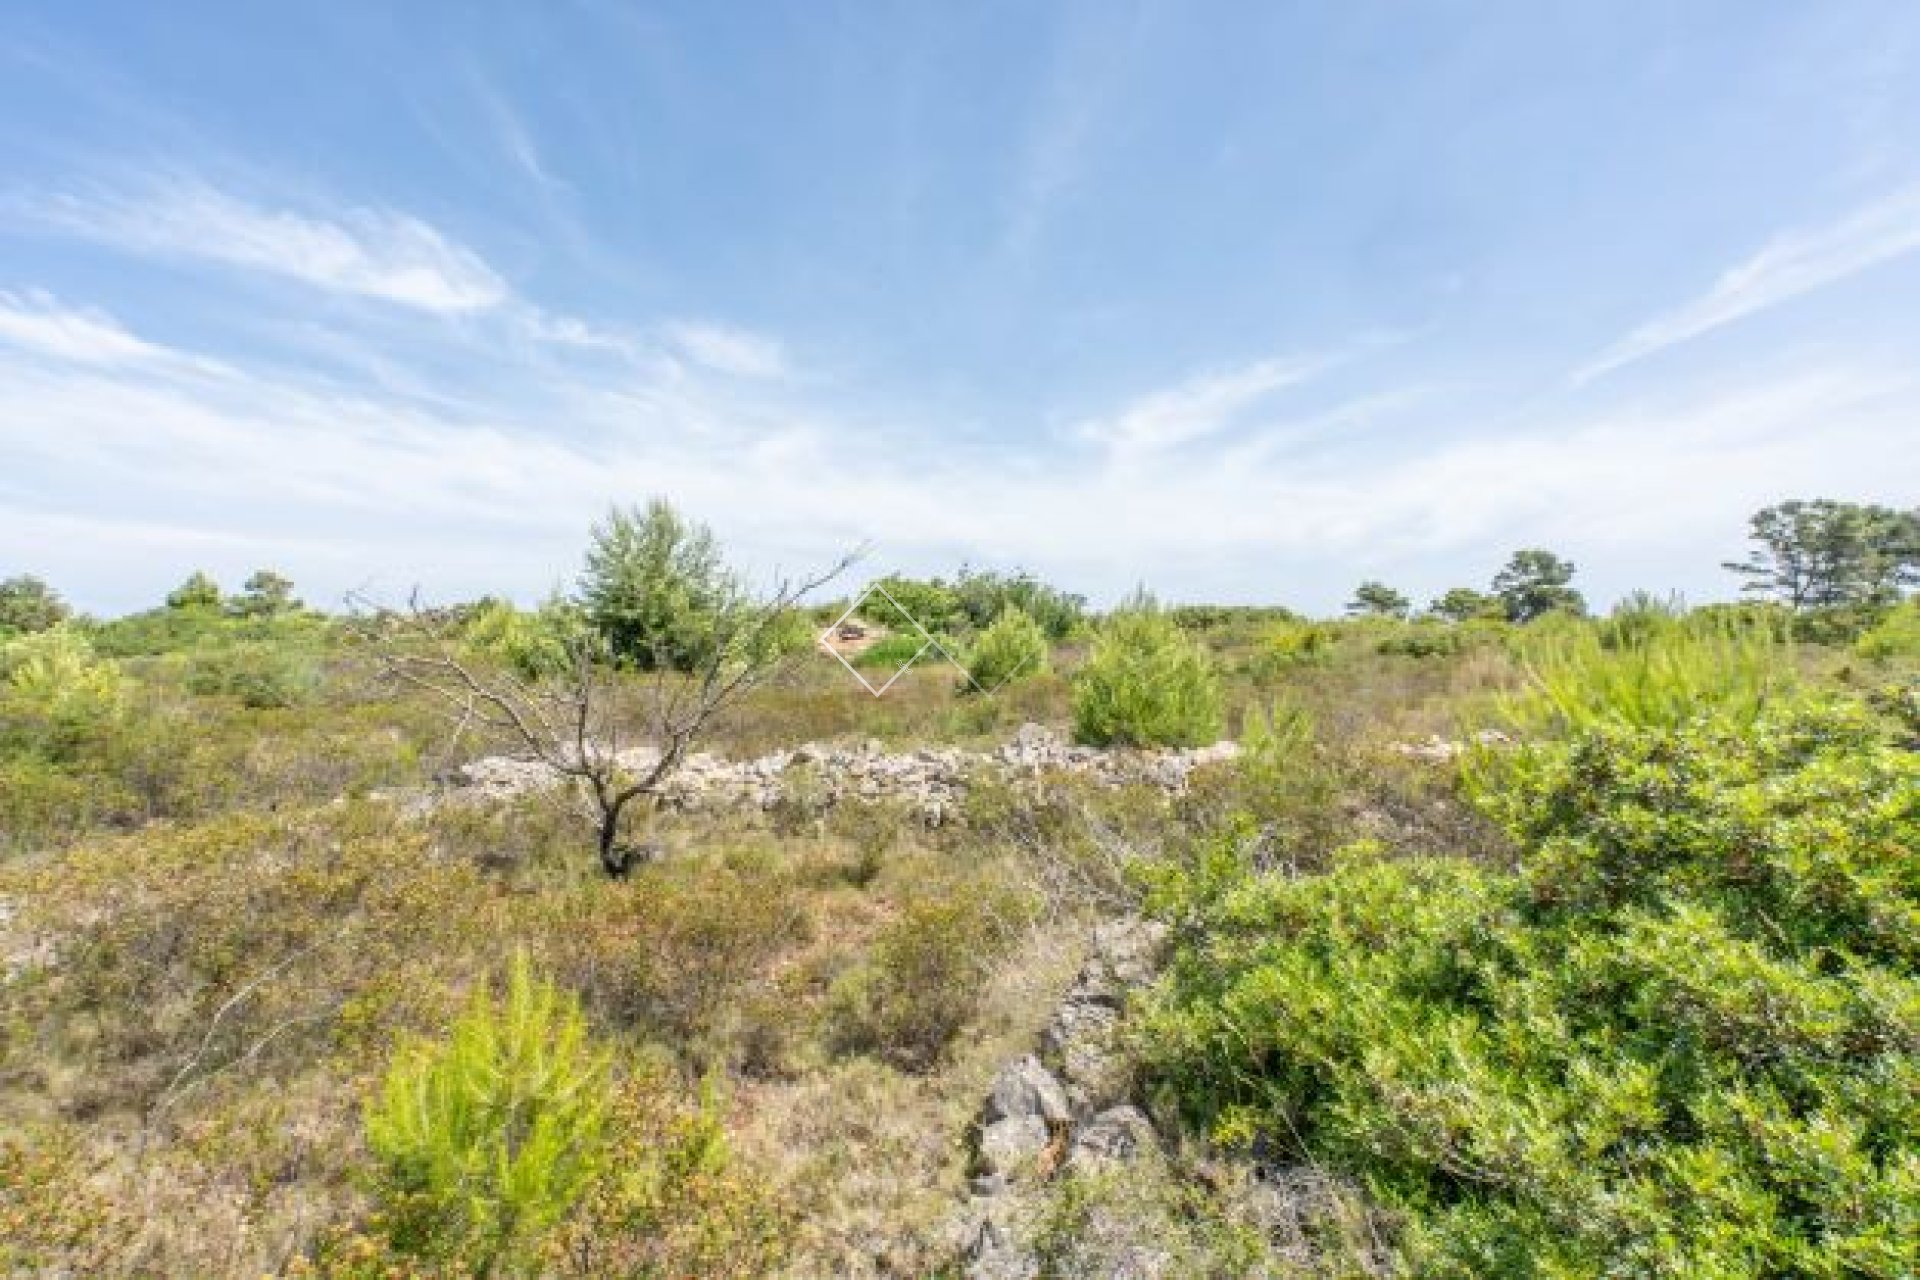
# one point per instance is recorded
(530, 644)
(891, 652)
(1425, 639)
(1290, 643)
(56, 694)
(198, 592)
(28, 605)
(486, 1139)
(922, 983)
(259, 674)
(985, 595)
(671, 1199)
(1647, 670)
(1146, 683)
(1897, 635)
(1013, 648)
(1535, 583)
(1683, 1039)
(1464, 604)
(264, 595)
(656, 587)
(973, 600)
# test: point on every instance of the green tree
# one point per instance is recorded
(1378, 600)
(486, 1139)
(264, 595)
(1146, 683)
(1535, 583)
(28, 605)
(197, 592)
(1013, 648)
(657, 588)
(1463, 604)
(1819, 553)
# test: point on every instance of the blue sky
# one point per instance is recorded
(1245, 302)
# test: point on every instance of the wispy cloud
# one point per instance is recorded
(727, 348)
(369, 252)
(1793, 264)
(1197, 407)
(346, 486)
(35, 321)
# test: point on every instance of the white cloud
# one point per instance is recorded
(727, 348)
(375, 253)
(36, 321)
(1793, 264)
(1197, 407)
(346, 489)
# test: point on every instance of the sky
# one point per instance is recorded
(1240, 302)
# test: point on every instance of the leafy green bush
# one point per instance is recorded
(530, 644)
(1292, 643)
(486, 1140)
(1424, 639)
(1683, 1039)
(259, 674)
(1013, 648)
(658, 590)
(1146, 684)
(56, 695)
(1895, 636)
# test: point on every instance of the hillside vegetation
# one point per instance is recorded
(1543, 944)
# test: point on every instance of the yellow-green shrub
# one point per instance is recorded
(486, 1139)
(1146, 683)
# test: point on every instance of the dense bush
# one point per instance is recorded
(1897, 635)
(1681, 1040)
(486, 1139)
(1653, 674)
(259, 674)
(28, 605)
(657, 589)
(1013, 648)
(1146, 684)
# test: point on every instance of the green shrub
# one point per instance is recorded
(658, 590)
(1013, 648)
(1423, 639)
(671, 1200)
(1146, 684)
(1663, 676)
(259, 674)
(56, 695)
(1683, 1039)
(922, 983)
(1895, 636)
(486, 1140)
(891, 652)
(529, 644)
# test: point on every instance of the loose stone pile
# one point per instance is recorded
(930, 781)
(1036, 1122)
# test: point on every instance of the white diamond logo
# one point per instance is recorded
(878, 623)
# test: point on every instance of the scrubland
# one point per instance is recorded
(1578, 947)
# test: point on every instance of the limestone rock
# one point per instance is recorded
(1012, 1146)
(1026, 1088)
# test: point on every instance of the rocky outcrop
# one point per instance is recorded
(932, 781)
(1036, 1122)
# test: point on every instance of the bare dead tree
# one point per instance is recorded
(584, 722)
